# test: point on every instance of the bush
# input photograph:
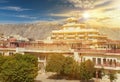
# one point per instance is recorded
(55, 63)
(18, 68)
(86, 70)
(67, 66)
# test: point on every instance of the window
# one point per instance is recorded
(99, 61)
(94, 60)
(104, 61)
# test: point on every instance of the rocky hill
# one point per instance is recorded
(42, 30)
(39, 30)
(112, 33)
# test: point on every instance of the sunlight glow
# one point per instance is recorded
(86, 15)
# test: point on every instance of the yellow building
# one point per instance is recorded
(75, 31)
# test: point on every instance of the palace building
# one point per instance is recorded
(74, 39)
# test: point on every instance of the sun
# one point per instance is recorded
(86, 15)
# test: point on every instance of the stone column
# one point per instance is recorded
(96, 61)
(76, 56)
(101, 61)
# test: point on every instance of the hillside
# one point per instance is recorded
(42, 30)
(112, 33)
(38, 30)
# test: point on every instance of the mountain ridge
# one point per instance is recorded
(41, 30)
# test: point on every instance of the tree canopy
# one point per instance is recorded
(112, 75)
(69, 67)
(18, 68)
(55, 63)
(86, 70)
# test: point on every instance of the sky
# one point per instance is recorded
(22, 11)
(18, 11)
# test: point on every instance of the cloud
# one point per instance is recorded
(26, 16)
(67, 13)
(89, 3)
(105, 12)
(76, 5)
(103, 19)
(82, 3)
(19, 16)
(60, 15)
(103, 3)
(13, 8)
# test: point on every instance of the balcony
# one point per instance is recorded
(93, 35)
(70, 35)
(60, 36)
(98, 51)
(80, 35)
(108, 67)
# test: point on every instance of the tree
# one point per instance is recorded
(67, 66)
(2, 60)
(75, 70)
(71, 67)
(63, 66)
(55, 63)
(90, 68)
(112, 76)
(19, 68)
(86, 70)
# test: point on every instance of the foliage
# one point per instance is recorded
(112, 76)
(18, 68)
(63, 66)
(69, 67)
(86, 70)
(55, 63)
(90, 67)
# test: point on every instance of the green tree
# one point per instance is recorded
(86, 70)
(90, 68)
(2, 60)
(55, 63)
(75, 71)
(71, 67)
(64, 66)
(112, 76)
(67, 66)
(19, 68)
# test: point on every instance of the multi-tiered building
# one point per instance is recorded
(74, 32)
